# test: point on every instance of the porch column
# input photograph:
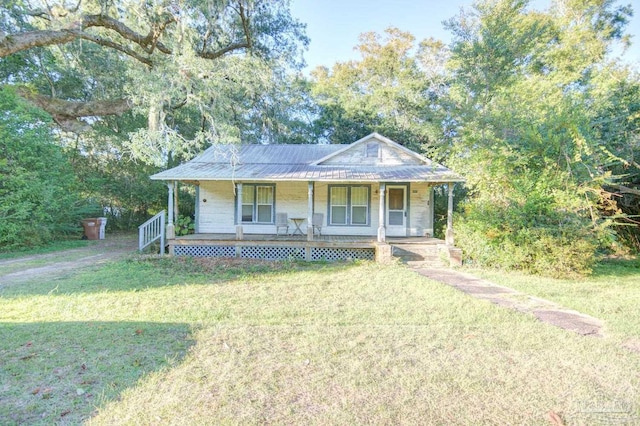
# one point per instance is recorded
(239, 231)
(449, 235)
(171, 230)
(176, 200)
(382, 233)
(310, 211)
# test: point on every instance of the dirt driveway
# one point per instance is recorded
(61, 263)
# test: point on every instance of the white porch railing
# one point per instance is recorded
(151, 231)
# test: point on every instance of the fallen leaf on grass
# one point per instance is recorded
(64, 413)
(26, 357)
(35, 391)
(138, 331)
(555, 419)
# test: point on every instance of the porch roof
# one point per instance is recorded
(298, 163)
(297, 172)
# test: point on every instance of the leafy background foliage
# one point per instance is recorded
(39, 192)
(529, 106)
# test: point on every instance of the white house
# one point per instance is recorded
(371, 190)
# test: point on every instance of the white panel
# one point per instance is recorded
(388, 156)
(217, 212)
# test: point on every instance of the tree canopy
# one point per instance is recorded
(134, 86)
(197, 70)
(530, 106)
(392, 90)
(528, 100)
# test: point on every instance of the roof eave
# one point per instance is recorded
(437, 179)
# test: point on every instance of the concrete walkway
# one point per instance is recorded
(545, 310)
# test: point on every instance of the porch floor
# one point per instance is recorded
(359, 239)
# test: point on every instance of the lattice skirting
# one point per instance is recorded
(205, 251)
(276, 253)
(272, 253)
(332, 254)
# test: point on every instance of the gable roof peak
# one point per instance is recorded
(378, 137)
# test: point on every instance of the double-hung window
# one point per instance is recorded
(349, 205)
(258, 203)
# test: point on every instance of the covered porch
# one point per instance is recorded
(300, 242)
(383, 210)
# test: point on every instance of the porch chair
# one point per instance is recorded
(316, 222)
(282, 221)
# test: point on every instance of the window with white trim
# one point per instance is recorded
(349, 205)
(258, 203)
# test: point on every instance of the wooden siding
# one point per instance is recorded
(217, 213)
(321, 205)
(292, 198)
(421, 210)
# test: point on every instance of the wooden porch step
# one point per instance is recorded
(425, 264)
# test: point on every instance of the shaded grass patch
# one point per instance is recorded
(49, 248)
(59, 371)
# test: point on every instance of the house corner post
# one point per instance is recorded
(310, 211)
(449, 236)
(196, 225)
(382, 237)
(239, 230)
(171, 230)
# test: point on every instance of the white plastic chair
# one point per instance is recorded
(282, 221)
(316, 222)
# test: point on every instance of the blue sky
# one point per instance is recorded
(334, 25)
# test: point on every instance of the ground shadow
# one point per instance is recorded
(617, 267)
(60, 372)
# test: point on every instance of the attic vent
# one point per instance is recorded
(372, 149)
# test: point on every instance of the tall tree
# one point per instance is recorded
(388, 90)
(136, 86)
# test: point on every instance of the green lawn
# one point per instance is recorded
(174, 342)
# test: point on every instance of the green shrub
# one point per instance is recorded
(185, 225)
(536, 234)
(38, 189)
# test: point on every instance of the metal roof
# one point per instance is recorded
(295, 163)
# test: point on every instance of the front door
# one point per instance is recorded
(396, 217)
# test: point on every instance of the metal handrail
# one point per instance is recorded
(151, 231)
